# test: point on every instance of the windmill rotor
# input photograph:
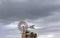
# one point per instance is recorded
(22, 26)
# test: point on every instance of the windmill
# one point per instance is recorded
(23, 27)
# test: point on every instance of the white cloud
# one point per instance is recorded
(12, 25)
(12, 36)
(50, 35)
(46, 36)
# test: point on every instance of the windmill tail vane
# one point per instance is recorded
(32, 27)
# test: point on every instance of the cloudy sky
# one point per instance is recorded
(45, 14)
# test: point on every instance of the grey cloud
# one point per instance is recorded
(30, 9)
(49, 24)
